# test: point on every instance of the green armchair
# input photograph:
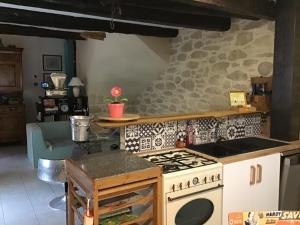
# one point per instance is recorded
(49, 140)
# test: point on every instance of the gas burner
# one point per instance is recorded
(177, 155)
(194, 163)
(173, 161)
(168, 167)
(153, 159)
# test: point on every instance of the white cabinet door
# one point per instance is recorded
(237, 190)
(239, 195)
(266, 196)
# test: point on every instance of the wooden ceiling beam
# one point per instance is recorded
(158, 16)
(178, 7)
(9, 15)
(255, 8)
(38, 32)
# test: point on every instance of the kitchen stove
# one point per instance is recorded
(192, 187)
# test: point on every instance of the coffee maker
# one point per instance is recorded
(58, 80)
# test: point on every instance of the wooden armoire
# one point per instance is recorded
(12, 113)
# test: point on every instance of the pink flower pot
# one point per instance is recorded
(116, 110)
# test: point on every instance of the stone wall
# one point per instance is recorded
(205, 66)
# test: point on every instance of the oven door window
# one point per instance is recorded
(195, 212)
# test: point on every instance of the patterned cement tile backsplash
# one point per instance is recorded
(159, 136)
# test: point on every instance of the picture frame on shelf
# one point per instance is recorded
(237, 98)
(52, 62)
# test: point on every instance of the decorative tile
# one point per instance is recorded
(256, 129)
(181, 125)
(204, 124)
(240, 132)
(145, 143)
(170, 140)
(231, 132)
(158, 136)
(158, 142)
(237, 121)
(145, 130)
(171, 127)
(158, 128)
(204, 136)
(132, 144)
(253, 118)
(132, 131)
(220, 129)
(248, 131)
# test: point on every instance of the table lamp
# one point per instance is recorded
(76, 84)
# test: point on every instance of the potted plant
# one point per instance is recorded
(116, 104)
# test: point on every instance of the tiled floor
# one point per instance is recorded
(23, 198)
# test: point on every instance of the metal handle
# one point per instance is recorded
(252, 175)
(199, 192)
(259, 173)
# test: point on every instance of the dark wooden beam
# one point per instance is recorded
(38, 32)
(152, 15)
(286, 79)
(181, 7)
(253, 8)
(19, 16)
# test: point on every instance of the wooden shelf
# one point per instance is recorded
(174, 117)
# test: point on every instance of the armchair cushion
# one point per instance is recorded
(49, 140)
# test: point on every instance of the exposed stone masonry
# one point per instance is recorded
(205, 66)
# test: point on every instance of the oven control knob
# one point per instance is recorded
(195, 181)
(212, 178)
(173, 187)
(205, 180)
(180, 186)
(188, 184)
(219, 176)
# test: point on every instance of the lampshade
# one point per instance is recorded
(75, 82)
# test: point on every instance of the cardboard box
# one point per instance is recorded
(265, 218)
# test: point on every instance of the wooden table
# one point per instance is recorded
(115, 181)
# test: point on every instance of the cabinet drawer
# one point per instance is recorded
(7, 109)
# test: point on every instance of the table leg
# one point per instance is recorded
(71, 214)
(157, 202)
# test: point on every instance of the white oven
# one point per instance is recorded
(192, 187)
(194, 208)
(194, 196)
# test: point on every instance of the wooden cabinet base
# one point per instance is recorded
(12, 123)
(115, 197)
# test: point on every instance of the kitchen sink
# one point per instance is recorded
(236, 147)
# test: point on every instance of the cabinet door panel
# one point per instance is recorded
(267, 192)
(7, 75)
(237, 193)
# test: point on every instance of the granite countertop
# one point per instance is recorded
(112, 163)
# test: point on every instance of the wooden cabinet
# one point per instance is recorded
(12, 123)
(10, 70)
(124, 189)
(12, 117)
(251, 185)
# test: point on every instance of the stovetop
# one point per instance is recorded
(173, 161)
